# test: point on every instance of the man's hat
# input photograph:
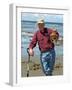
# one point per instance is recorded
(40, 21)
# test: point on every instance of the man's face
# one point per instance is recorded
(41, 26)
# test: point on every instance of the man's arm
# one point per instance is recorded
(33, 44)
(53, 30)
(33, 41)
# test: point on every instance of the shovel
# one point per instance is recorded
(28, 62)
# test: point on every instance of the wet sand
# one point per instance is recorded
(36, 70)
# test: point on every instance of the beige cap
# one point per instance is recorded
(40, 21)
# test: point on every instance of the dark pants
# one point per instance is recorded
(48, 61)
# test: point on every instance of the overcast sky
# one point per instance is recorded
(47, 17)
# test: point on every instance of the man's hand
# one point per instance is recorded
(31, 52)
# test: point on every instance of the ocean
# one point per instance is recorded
(31, 27)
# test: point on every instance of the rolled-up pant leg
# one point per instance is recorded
(48, 61)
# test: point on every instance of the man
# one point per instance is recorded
(46, 47)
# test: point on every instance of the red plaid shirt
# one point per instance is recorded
(43, 39)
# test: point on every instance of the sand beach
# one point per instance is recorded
(36, 70)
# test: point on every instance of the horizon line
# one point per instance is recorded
(45, 21)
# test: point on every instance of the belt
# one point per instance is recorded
(47, 50)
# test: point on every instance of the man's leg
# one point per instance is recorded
(52, 60)
(47, 62)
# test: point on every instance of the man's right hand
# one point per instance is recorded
(31, 52)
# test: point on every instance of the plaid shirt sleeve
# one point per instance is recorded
(34, 41)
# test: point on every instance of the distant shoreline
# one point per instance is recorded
(45, 22)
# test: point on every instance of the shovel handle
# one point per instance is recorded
(28, 62)
(28, 54)
(28, 50)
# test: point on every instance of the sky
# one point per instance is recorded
(47, 17)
